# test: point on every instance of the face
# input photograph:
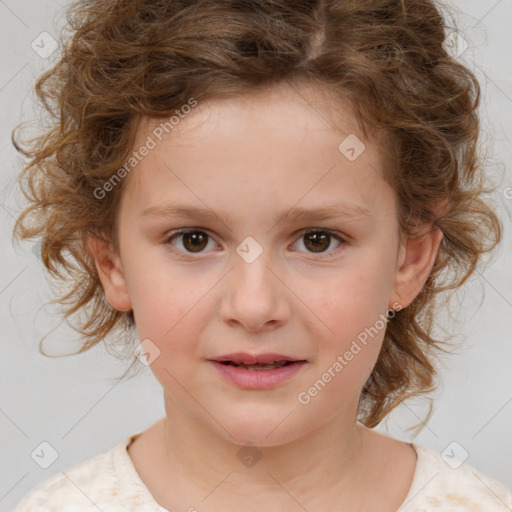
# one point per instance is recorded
(250, 275)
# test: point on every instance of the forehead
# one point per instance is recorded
(307, 105)
(287, 139)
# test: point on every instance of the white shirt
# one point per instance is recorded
(109, 482)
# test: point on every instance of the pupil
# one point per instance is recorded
(319, 241)
(198, 239)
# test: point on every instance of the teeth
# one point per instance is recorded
(259, 366)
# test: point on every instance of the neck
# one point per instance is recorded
(210, 465)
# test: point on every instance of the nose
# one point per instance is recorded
(254, 295)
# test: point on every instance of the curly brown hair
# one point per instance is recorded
(125, 59)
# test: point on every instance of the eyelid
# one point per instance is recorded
(177, 232)
(334, 234)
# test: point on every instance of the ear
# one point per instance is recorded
(110, 271)
(415, 262)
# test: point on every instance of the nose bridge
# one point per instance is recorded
(255, 295)
(252, 274)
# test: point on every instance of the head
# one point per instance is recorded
(322, 104)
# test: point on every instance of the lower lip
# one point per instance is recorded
(258, 379)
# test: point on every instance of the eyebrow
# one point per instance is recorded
(347, 211)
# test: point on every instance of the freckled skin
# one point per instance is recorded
(256, 157)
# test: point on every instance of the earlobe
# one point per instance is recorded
(417, 257)
(110, 271)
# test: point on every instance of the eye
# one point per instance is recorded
(317, 241)
(194, 240)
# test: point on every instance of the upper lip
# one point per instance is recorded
(241, 357)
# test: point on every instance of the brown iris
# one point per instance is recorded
(195, 241)
(319, 240)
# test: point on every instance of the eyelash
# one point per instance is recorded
(323, 255)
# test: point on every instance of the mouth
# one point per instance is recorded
(260, 366)
(263, 361)
(263, 371)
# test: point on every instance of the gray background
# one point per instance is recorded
(71, 404)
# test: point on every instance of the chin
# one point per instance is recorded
(258, 428)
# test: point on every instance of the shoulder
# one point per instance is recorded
(443, 483)
(91, 485)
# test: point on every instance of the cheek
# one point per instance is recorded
(353, 313)
(356, 300)
(164, 295)
(169, 312)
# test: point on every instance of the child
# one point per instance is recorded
(198, 147)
